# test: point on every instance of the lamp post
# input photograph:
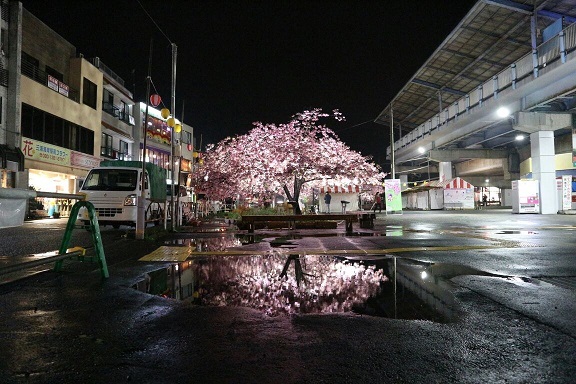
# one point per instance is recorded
(140, 212)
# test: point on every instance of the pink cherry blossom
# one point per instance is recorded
(285, 158)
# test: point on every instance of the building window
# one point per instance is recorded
(186, 137)
(106, 146)
(123, 151)
(30, 59)
(43, 126)
(30, 67)
(158, 158)
(54, 73)
(123, 111)
(89, 96)
(108, 102)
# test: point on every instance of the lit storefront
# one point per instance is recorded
(158, 141)
(55, 169)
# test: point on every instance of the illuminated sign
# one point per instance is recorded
(48, 153)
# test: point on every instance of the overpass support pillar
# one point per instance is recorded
(445, 170)
(544, 170)
(403, 182)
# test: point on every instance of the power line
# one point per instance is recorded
(354, 126)
(156, 91)
(154, 21)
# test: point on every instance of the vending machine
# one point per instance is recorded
(525, 196)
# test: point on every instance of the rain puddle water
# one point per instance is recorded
(279, 283)
(517, 233)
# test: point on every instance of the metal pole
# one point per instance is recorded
(393, 167)
(395, 292)
(180, 166)
(173, 109)
(141, 214)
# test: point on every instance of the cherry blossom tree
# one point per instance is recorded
(285, 157)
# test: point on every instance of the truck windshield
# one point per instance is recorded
(111, 180)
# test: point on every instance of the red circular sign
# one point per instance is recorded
(155, 100)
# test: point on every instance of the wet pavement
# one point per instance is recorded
(498, 289)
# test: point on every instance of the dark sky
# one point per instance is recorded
(245, 61)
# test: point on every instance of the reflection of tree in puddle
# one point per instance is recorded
(208, 244)
(265, 283)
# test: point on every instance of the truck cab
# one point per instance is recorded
(113, 189)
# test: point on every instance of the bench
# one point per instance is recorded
(251, 220)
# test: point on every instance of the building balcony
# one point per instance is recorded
(114, 154)
(34, 73)
(116, 112)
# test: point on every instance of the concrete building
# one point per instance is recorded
(57, 99)
(116, 137)
(11, 157)
(61, 114)
(159, 143)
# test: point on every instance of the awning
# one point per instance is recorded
(455, 183)
(11, 154)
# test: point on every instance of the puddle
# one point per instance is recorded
(394, 230)
(281, 284)
(209, 243)
(516, 233)
(251, 238)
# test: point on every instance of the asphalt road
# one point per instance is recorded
(510, 278)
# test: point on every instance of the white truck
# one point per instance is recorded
(113, 188)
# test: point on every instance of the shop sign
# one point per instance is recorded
(393, 195)
(53, 83)
(83, 160)
(58, 86)
(63, 89)
(48, 153)
(158, 135)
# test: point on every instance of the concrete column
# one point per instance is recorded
(403, 182)
(544, 170)
(14, 50)
(445, 170)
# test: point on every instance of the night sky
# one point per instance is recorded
(245, 61)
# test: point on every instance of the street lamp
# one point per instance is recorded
(503, 112)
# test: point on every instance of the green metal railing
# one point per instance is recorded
(96, 238)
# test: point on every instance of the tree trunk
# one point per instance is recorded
(293, 199)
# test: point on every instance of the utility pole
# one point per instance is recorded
(141, 213)
(173, 109)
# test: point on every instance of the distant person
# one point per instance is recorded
(378, 202)
(327, 200)
(484, 200)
